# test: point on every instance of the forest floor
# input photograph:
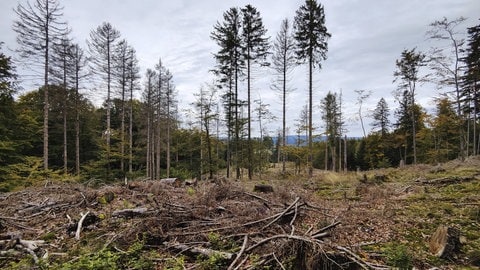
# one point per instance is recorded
(370, 220)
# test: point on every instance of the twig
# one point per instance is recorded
(320, 233)
(245, 241)
(287, 236)
(79, 227)
(279, 263)
(241, 263)
(295, 215)
(257, 197)
(362, 263)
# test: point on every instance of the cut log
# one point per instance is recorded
(445, 242)
(263, 188)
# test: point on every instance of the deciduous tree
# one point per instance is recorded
(445, 61)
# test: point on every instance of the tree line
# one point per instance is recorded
(56, 131)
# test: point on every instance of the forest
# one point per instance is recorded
(56, 131)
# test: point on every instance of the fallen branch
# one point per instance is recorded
(79, 226)
(245, 241)
(362, 263)
(321, 233)
(282, 214)
(199, 250)
(286, 236)
(278, 261)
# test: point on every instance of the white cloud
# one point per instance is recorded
(367, 38)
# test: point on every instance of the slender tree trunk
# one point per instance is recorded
(250, 150)
(130, 129)
(77, 122)
(310, 112)
(122, 125)
(65, 92)
(108, 107)
(237, 126)
(168, 129)
(345, 154)
(414, 124)
(326, 155)
(339, 154)
(45, 97)
(284, 109)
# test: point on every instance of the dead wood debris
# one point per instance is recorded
(218, 220)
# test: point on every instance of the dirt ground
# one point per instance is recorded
(357, 222)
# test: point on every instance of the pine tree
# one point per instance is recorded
(37, 27)
(311, 38)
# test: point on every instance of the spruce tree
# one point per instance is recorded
(229, 67)
(38, 26)
(255, 49)
(311, 38)
(283, 61)
(380, 117)
(101, 47)
(408, 75)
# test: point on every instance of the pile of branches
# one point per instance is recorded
(240, 229)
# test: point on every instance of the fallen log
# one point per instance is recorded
(446, 180)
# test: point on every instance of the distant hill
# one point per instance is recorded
(293, 139)
(299, 140)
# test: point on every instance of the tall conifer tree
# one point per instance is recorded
(311, 37)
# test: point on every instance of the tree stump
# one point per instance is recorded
(445, 242)
(263, 188)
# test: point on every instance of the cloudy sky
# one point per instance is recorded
(367, 37)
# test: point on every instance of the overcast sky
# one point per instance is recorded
(367, 37)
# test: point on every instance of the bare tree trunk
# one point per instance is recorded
(46, 102)
(77, 127)
(345, 154)
(310, 112)
(65, 99)
(130, 130)
(168, 129)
